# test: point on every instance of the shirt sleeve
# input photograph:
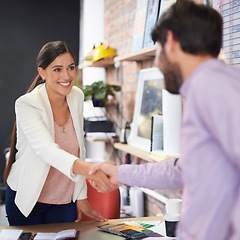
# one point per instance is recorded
(161, 175)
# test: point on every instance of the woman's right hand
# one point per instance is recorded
(111, 171)
(101, 181)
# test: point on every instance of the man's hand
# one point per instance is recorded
(111, 170)
(83, 206)
(100, 181)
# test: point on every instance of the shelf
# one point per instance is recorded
(134, 151)
(101, 63)
(100, 137)
(90, 139)
(154, 194)
(141, 55)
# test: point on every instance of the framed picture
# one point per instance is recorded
(139, 25)
(147, 104)
(152, 16)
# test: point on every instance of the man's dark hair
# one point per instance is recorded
(198, 28)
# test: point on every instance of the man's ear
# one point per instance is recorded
(172, 46)
(41, 72)
(170, 41)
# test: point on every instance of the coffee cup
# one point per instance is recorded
(173, 206)
(171, 221)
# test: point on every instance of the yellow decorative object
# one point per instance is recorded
(102, 52)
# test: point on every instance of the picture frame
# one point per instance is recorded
(148, 102)
(151, 19)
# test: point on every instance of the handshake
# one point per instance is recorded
(104, 177)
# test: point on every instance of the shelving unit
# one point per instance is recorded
(134, 151)
(141, 55)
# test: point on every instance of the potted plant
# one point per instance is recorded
(99, 92)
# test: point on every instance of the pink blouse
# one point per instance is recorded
(58, 188)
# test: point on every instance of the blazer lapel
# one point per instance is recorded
(49, 121)
(76, 120)
(74, 110)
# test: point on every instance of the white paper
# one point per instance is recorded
(172, 117)
(45, 236)
(230, 11)
(9, 234)
(157, 132)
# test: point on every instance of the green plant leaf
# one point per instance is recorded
(100, 90)
(116, 88)
(101, 94)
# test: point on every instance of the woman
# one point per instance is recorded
(46, 168)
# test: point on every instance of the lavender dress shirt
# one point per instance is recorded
(209, 167)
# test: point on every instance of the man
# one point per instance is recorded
(189, 38)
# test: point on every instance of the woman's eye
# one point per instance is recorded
(57, 69)
(72, 68)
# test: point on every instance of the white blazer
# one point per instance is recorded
(37, 150)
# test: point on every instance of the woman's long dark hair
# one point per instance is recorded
(46, 56)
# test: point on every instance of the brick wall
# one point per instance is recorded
(119, 22)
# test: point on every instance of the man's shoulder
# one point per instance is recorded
(215, 73)
(218, 67)
(216, 81)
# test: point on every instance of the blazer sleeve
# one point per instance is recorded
(29, 116)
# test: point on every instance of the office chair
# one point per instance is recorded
(107, 204)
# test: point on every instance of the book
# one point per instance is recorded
(65, 234)
(156, 133)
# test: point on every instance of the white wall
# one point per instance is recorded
(92, 32)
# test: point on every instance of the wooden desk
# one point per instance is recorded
(83, 227)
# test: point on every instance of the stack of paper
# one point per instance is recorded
(9, 234)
